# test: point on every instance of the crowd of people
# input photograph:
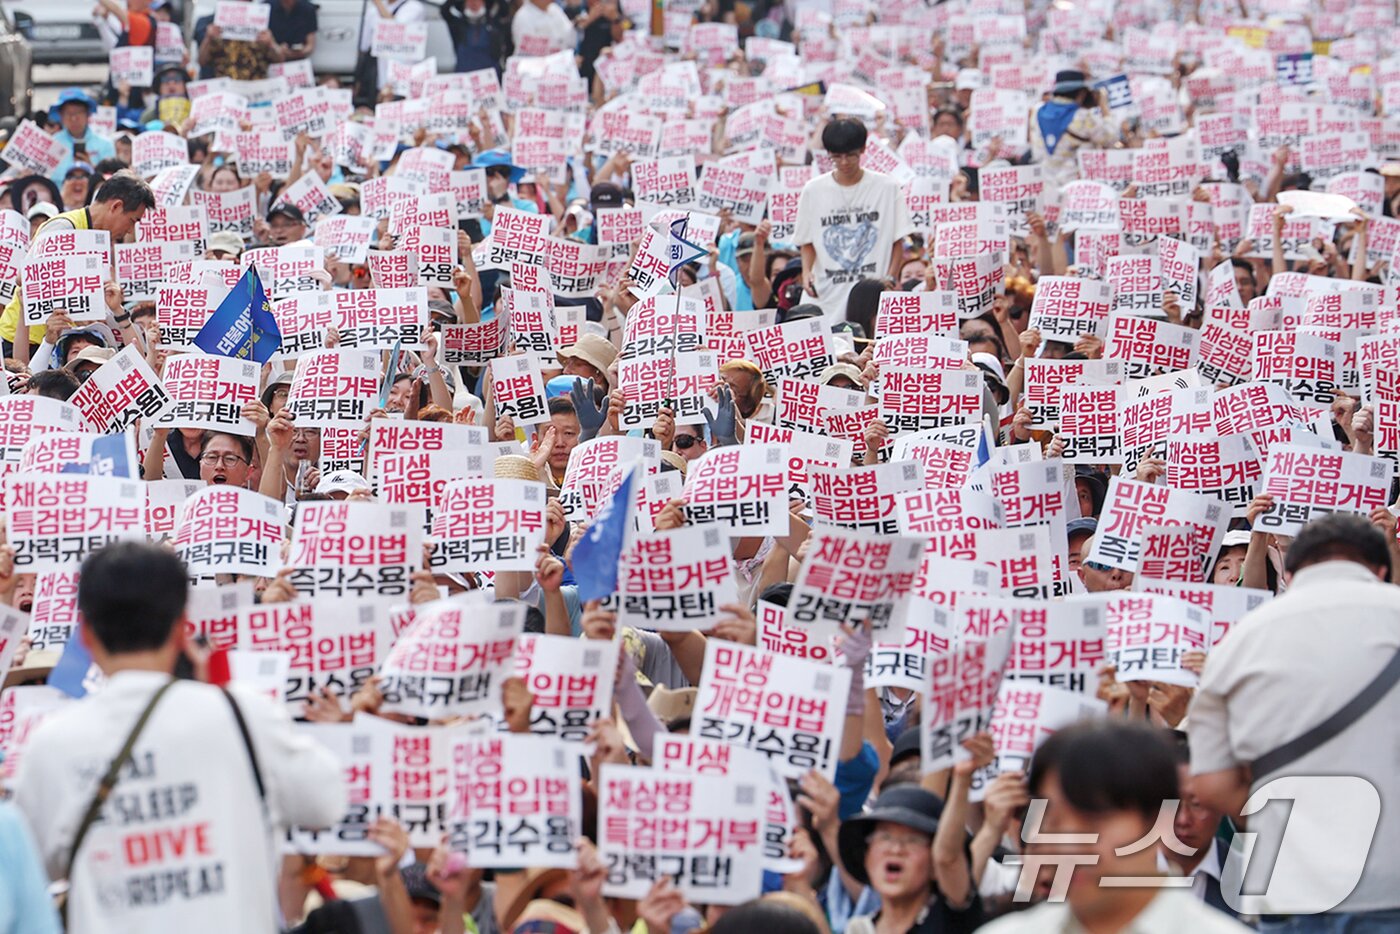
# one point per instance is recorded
(808, 467)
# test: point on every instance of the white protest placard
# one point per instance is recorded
(262, 151)
(1090, 424)
(518, 390)
(240, 22)
(790, 709)
(1132, 505)
(419, 477)
(53, 616)
(164, 499)
(571, 680)
(852, 576)
(913, 400)
(1088, 204)
(334, 645)
(1024, 716)
(333, 388)
(1223, 604)
(1147, 634)
(959, 695)
(346, 236)
(472, 344)
(209, 392)
(1147, 420)
(451, 660)
(31, 151)
(1225, 467)
(591, 476)
(863, 497)
(121, 391)
(1307, 483)
(229, 530)
(676, 580)
(516, 235)
(132, 65)
(354, 745)
(70, 284)
(694, 756)
(355, 548)
(228, 210)
(404, 42)
(153, 152)
(396, 436)
(488, 525)
(715, 844)
(182, 310)
(1066, 308)
(142, 268)
(55, 521)
(740, 488)
(516, 800)
(1150, 346)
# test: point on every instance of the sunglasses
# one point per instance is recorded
(1097, 566)
(359, 270)
(685, 442)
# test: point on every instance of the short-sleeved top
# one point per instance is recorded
(938, 917)
(291, 27)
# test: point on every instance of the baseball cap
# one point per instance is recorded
(1235, 537)
(286, 209)
(94, 355)
(342, 481)
(1083, 525)
(605, 195)
(225, 241)
(42, 209)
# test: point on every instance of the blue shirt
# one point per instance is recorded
(25, 907)
(98, 148)
(728, 255)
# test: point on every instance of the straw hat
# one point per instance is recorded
(36, 667)
(675, 460)
(672, 705)
(515, 467)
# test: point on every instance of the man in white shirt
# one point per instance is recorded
(187, 839)
(541, 27)
(1286, 668)
(851, 223)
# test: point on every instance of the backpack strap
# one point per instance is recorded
(109, 780)
(247, 743)
(1354, 710)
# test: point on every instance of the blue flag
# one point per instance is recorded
(597, 554)
(242, 326)
(111, 456)
(72, 668)
(680, 251)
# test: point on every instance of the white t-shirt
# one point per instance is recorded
(853, 230)
(182, 844)
(541, 31)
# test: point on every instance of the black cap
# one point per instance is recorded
(415, 879)
(605, 195)
(906, 744)
(286, 209)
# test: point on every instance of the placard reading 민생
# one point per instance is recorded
(789, 709)
(591, 479)
(571, 680)
(676, 580)
(1131, 505)
(229, 530)
(450, 662)
(396, 436)
(516, 800)
(355, 548)
(334, 644)
(713, 847)
(959, 696)
(55, 521)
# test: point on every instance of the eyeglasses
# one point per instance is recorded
(889, 839)
(305, 434)
(685, 442)
(227, 460)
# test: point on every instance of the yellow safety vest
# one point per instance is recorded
(9, 320)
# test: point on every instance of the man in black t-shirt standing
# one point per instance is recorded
(293, 27)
